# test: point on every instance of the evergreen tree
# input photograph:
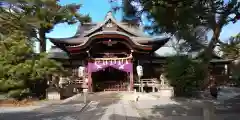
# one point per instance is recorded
(22, 72)
(231, 50)
(38, 16)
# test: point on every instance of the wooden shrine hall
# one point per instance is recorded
(109, 53)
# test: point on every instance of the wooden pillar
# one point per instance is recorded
(131, 78)
(131, 81)
(151, 64)
(228, 72)
(89, 80)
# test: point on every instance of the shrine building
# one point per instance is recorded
(110, 51)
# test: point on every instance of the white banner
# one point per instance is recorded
(140, 71)
(81, 71)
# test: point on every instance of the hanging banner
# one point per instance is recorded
(81, 71)
(139, 71)
(122, 65)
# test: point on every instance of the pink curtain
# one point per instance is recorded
(94, 67)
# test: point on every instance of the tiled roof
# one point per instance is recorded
(57, 53)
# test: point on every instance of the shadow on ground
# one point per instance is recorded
(181, 109)
(193, 110)
(68, 111)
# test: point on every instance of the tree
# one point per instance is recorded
(22, 72)
(231, 50)
(184, 74)
(181, 18)
(42, 16)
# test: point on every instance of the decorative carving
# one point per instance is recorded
(110, 42)
(109, 55)
(110, 26)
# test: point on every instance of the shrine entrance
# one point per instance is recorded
(110, 79)
(110, 65)
(110, 74)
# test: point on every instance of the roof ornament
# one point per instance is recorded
(109, 25)
(109, 15)
(109, 42)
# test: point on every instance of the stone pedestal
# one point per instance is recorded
(166, 92)
(53, 94)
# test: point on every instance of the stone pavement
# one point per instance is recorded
(103, 108)
(229, 109)
(111, 107)
(168, 109)
(120, 110)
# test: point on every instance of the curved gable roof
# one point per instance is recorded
(108, 18)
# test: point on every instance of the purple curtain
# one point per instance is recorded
(94, 67)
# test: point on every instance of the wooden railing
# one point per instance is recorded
(146, 82)
(115, 86)
(76, 81)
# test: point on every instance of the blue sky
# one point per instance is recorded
(97, 10)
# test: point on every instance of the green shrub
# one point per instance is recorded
(18, 93)
(185, 75)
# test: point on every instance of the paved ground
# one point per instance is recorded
(187, 109)
(182, 110)
(101, 107)
(230, 106)
(109, 106)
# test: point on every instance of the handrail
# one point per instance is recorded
(147, 81)
(77, 81)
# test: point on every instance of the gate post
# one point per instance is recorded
(131, 78)
(90, 81)
(89, 76)
(131, 81)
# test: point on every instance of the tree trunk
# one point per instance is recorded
(42, 41)
(208, 54)
(206, 65)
